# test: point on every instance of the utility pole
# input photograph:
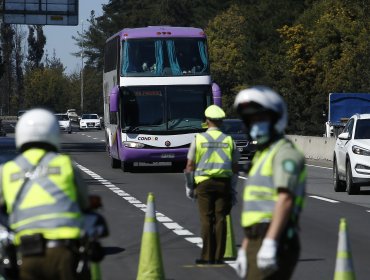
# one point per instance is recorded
(82, 67)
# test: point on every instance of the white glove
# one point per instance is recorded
(241, 263)
(190, 193)
(266, 257)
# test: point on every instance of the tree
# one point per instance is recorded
(19, 71)
(227, 49)
(325, 51)
(46, 87)
(36, 44)
(7, 45)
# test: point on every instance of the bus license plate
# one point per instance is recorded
(167, 155)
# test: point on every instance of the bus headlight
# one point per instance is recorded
(134, 145)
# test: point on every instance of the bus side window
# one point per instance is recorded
(111, 55)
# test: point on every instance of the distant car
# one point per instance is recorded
(64, 123)
(235, 128)
(351, 161)
(72, 115)
(90, 121)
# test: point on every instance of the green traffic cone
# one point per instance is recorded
(150, 262)
(230, 250)
(95, 271)
(344, 266)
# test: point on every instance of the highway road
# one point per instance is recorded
(125, 194)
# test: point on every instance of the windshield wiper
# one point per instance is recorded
(185, 126)
(131, 128)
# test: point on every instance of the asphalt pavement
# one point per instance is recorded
(124, 197)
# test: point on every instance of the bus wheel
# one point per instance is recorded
(115, 163)
(127, 166)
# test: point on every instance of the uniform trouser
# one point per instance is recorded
(55, 264)
(214, 201)
(287, 257)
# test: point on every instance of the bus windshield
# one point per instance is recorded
(164, 108)
(164, 57)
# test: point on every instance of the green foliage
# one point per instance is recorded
(46, 87)
(36, 43)
(7, 80)
(227, 49)
(325, 51)
(304, 49)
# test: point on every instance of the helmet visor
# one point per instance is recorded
(251, 108)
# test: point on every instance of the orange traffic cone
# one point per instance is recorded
(150, 263)
(344, 266)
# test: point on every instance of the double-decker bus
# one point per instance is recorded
(156, 86)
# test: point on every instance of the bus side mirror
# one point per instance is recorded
(113, 99)
(216, 92)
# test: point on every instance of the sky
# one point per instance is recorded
(59, 38)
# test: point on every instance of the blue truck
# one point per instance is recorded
(342, 106)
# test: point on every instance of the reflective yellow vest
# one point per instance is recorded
(260, 194)
(48, 201)
(213, 157)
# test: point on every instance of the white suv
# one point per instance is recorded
(351, 162)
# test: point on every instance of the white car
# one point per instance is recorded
(72, 115)
(351, 162)
(90, 121)
(64, 123)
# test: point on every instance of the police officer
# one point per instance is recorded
(274, 191)
(213, 158)
(44, 197)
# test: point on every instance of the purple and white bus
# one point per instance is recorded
(156, 86)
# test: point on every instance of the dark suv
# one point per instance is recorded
(235, 128)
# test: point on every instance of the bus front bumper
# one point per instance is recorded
(154, 155)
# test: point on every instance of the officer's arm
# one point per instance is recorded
(281, 214)
(190, 164)
(3, 213)
(235, 159)
(2, 201)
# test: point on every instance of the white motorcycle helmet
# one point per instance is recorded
(37, 125)
(262, 99)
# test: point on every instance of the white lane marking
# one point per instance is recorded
(317, 166)
(164, 220)
(182, 232)
(172, 226)
(161, 218)
(102, 140)
(323, 198)
(95, 138)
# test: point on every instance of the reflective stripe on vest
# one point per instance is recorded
(47, 203)
(260, 194)
(213, 156)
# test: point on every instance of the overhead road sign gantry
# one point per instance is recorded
(40, 12)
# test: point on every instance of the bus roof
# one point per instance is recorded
(159, 32)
